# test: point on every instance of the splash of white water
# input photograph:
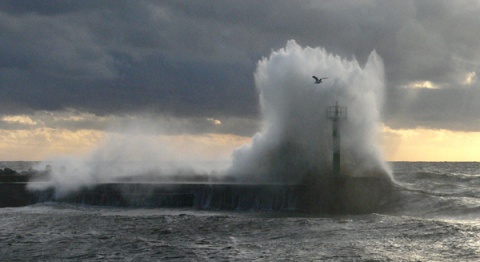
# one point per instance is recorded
(131, 156)
(297, 137)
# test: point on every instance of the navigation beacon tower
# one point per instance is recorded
(336, 113)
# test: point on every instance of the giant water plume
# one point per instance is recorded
(296, 139)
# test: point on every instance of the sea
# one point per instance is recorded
(434, 215)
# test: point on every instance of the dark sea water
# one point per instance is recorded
(433, 216)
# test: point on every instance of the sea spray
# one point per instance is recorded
(296, 139)
(132, 155)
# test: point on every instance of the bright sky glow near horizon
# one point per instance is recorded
(74, 73)
(398, 145)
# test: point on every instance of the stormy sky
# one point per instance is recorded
(192, 62)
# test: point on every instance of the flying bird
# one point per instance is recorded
(319, 80)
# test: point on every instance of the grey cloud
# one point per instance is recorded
(48, 7)
(50, 52)
(448, 108)
(194, 60)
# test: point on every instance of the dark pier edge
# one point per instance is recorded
(346, 195)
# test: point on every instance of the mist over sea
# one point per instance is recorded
(434, 215)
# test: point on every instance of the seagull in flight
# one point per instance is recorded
(319, 80)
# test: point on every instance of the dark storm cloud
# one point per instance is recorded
(194, 60)
(48, 7)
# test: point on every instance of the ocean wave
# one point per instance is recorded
(409, 200)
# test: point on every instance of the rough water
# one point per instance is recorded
(434, 216)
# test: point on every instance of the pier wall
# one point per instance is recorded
(349, 195)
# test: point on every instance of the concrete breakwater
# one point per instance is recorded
(346, 196)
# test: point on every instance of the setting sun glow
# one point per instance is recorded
(430, 145)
